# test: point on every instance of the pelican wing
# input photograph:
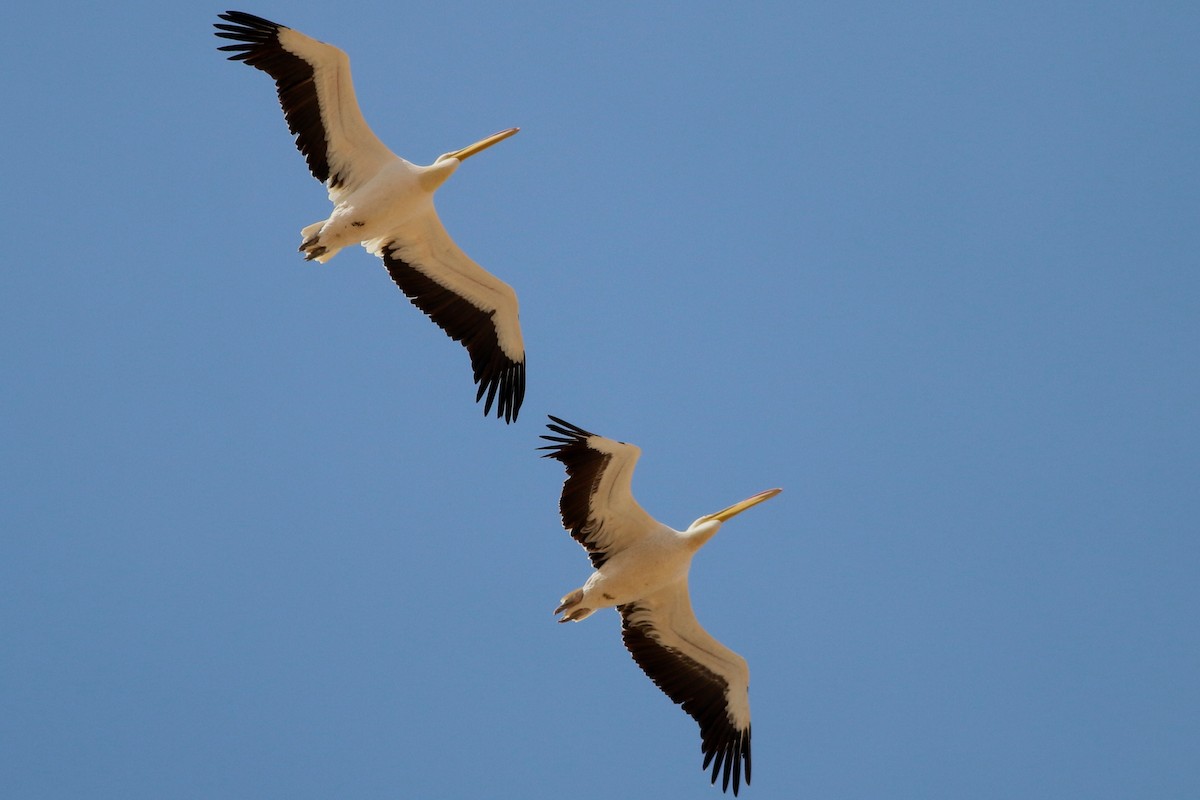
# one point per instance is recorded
(597, 501)
(317, 96)
(696, 671)
(470, 304)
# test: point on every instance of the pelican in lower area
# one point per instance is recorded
(386, 203)
(641, 568)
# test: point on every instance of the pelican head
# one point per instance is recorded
(436, 173)
(478, 147)
(703, 529)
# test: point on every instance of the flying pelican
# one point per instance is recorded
(641, 568)
(386, 203)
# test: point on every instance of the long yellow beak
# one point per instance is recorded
(737, 508)
(481, 145)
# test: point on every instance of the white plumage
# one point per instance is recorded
(386, 203)
(641, 568)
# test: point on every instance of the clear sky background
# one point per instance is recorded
(930, 267)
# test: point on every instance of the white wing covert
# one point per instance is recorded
(317, 96)
(597, 502)
(706, 678)
(466, 301)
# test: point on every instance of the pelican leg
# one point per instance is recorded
(312, 250)
(570, 609)
(570, 600)
(576, 615)
(311, 241)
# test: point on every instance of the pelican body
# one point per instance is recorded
(385, 203)
(641, 569)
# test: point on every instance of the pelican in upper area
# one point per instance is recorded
(641, 568)
(386, 203)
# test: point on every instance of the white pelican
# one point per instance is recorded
(385, 203)
(641, 569)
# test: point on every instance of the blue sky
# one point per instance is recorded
(929, 267)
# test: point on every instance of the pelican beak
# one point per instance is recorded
(482, 144)
(737, 508)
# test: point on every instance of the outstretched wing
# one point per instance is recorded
(696, 671)
(466, 301)
(597, 500)
(317, 96)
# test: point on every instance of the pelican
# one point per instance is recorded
(386, 203)
(641, 568)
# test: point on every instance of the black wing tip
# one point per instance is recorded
(253, 32)
(725, 746)
(505, 385)
(248, 21)
(730, 759)
(565, 428)
(570, 437)
(499, 377)
(250, 31)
